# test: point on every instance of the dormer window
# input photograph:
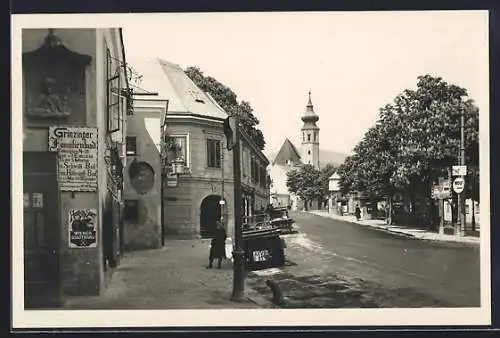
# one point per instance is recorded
(196, 95)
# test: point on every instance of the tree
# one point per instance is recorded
(415, 140)
(227, 99)
(305, 183)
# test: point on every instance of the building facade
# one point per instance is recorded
(75, 97)
(144, 177)
(199, 179)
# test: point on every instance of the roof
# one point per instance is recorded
(334, 176)
(171, 82)
(288, 152)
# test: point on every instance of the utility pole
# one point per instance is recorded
(232, 133)
(461, 200)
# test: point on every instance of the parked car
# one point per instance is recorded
(280, 218)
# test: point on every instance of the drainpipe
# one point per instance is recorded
(222, 202)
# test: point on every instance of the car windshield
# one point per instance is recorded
(279, 213)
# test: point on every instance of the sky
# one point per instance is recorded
(352, 62)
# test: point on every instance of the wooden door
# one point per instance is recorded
(41, 230)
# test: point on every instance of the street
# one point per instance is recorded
(339, 264)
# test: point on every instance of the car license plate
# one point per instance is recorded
(260, 256)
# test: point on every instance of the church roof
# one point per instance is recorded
(309, 115)
(288, 152)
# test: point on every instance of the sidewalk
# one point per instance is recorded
(174, 277)
(422, 234)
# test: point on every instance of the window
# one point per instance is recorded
(308, 152)
(253, 171)
(213, 153)
(131, 210)
(116, 101)
(263, 177)
(308, 137)
(244, 161)
(131, 146)
(177, 149)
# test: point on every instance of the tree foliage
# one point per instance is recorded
(305, 182)
(227, 99)
(415, 140)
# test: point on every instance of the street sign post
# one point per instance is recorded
(458, 185)
(459, 170)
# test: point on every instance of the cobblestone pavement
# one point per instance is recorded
(174, 277)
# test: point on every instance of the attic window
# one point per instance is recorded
(195, 95)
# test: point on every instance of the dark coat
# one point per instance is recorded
(357, 212)
(218, 244)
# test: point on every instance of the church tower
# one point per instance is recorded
(310, 136)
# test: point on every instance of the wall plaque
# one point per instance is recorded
(142, 177)
(54, 82)
(77, 157)
(82, 228)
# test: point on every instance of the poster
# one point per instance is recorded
(77, 150)
(82, 228)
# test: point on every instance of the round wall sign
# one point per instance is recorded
(142, 177)
(458, 185)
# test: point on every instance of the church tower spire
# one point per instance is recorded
(310, 136)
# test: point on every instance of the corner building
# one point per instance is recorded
(195, 143)
(75, 98)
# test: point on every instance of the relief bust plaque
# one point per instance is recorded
(54, 82)
(48, 103)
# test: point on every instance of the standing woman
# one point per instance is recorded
(357, 212)
(218, 245)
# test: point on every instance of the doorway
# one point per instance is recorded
(41, 230)
(210, 212)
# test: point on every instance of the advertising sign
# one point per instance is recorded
(82, 228)
(77, 152)
(441, 191)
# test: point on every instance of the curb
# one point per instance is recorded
(400, 233)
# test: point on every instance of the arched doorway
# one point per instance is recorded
(210, 212)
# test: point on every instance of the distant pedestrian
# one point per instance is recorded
(218, 246)
(357, 213)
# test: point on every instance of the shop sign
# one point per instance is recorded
(441, 191)
(77, 157)
(82, 228)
